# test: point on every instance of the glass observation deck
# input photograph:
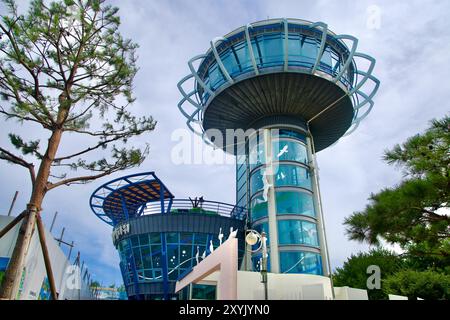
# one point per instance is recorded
(268, 44)
(276, 47)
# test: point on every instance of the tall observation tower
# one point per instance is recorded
(294, 88)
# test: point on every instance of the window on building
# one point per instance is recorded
(297, 232)
(292, 175)
(294, 202)
(258, 208)
(300, 262)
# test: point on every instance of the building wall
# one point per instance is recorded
(34, 286)
(280, 286)
(347, 293)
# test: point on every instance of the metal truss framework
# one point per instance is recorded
(126, 197)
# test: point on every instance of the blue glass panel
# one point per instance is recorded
(157, 273)
(140, 276)
(172, 237)
(242, 191)
(243, 55)
(291, 175)
(146, 257)
(294, 202)
(241, 169)
(268, 49)
(173, 274)
(272, 49)
(156, 257)
(294, 49)
(155, 237)
(186, 237)
(258, 208)
(256, 182)
(172, 256)
(300, 262)
(309, 50)
(125, 245)
(185, 254)
(148, 274)
(134, 241)
(297, 232)
(285, 133)
(200, 238)
(137, 258)
(143, 239)
(326, 60)
(289, 150)
(230, 63)
(312, 263)
(309, 233)
(289, 232)
(256, 156)
(215, 77)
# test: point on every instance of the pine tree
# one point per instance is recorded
(415, 213)
(65, 67)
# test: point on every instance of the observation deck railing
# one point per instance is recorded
(176, 206)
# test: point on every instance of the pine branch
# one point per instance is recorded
(100, 144)
(8, 156)
(82, 179)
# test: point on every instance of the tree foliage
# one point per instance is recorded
(428, 285)
(65, 67)
(354, 271)
(413, 214)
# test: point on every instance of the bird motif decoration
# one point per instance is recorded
(211, 247)
(283, 151)
(220, 236)
(197, 254)
(232, 233)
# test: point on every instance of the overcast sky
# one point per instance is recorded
(412, 48)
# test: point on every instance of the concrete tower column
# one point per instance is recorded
(271, 208)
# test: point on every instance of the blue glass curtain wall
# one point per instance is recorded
(268, 49)
(293, 197)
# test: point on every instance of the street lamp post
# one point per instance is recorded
(252, 238)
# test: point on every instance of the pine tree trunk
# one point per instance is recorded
(13, 273)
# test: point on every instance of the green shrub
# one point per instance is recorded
(428, 285)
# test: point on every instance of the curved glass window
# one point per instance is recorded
(134, 241)
(258, 208)
(284, 149)
(272, 48)
(300, 262)
(297, 232)
(268, 48)
(289, 232)
(148, 256)
(294, 202)
(215, 77)
(256, 156)
(309, 233)
(292, 175)
(256, 182)
(286, 133)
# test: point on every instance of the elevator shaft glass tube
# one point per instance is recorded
(282, 201)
